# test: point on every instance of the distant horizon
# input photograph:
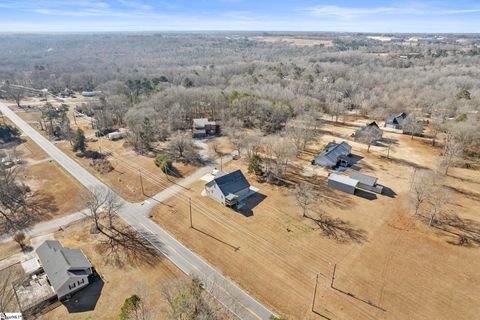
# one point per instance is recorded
(348, 16)
(300, 32)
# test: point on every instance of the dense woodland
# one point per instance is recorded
(171, 78)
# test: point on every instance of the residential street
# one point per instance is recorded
(49, 226)
(228, 293)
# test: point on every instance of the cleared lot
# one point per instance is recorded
(56, 188)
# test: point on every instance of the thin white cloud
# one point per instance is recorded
(413, 9)
(135, 5)
(347, 12)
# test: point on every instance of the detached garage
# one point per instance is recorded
(342, 183)
(367, 182)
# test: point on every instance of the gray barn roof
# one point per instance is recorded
(363, 178)
(59, 262)
(230, 182)
(343, 179)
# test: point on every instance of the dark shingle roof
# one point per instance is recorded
(59, 262)
(333, 151)
(231, 182)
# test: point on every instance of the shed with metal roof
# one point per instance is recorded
(342, 183)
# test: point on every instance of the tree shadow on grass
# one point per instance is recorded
(465, 231)
(384, 142)
(125, 246)
(339, 230)
(38, 206)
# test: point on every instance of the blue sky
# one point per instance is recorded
(301, 15)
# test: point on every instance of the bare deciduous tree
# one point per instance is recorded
(20, 239)
(187, 299)
(182, 147)
(412, 125)
(120, 243)
(234, 132)
(421, 188)
(279, 151)
(369, 135)
(439, 197)
(251, 144)
(428, 192)
(16, 92)
(305, 196)
(302, 130)
(19, 206)
(452, 151)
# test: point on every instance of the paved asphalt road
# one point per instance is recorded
(48, 227)
(228, 293)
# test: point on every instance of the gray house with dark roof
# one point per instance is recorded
(229, 188)
(334, 154)
(395, 122)
(67, 270)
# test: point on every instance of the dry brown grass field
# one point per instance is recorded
(389, 265)
(301, 42)
(60, 191)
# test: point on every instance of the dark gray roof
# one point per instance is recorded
(363, 178)
(231, 182)
(398, 119)
(60, 263)
(333, 151)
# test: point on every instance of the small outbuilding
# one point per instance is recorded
(342, 183)
(367, 182)
(334, 154)
(203, 127)
(117, 135)
(395, 122)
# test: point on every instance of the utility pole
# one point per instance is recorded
(333, 275)
(190, 204)
(314, 293)
(141, 181)
(221, 163)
